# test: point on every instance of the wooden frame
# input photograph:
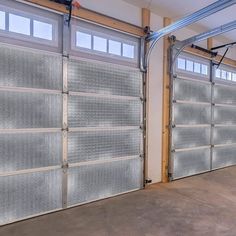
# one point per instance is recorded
(166, 106)
(91, 16)
(209, 43)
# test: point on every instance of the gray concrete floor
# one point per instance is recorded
(200, 205)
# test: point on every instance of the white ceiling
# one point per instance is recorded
(177, 9)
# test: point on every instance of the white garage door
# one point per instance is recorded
(224, 117)
(70, 126)
(203, 116)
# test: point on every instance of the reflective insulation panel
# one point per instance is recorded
(191, 162)
(224, 94)
(29, 194)
(91, 77)
(223, 157)
(224, 135)
(97, 181)
(19, 110)
(101, 145)
(86, 111)
(194, 91)
(190, 137)
(224, 115)
(20, 151)
(191, 114)
(30, 69)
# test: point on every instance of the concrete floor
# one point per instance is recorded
(200, 205)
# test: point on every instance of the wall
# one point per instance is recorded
(155, 105)
(187, 33)
(132, 14)
(115, 8)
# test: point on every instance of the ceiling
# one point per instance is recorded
(177, 9)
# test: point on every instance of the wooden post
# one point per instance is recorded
(209, 43)
(166, 107)
(145, 17)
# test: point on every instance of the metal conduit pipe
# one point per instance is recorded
(188, 20)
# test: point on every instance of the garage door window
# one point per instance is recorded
(225, 74)
(197, 68)
(28, 27)
(99, 44)
(181, 64)
(189, 66)
(115, 47)
(19, 24)
(83, 40)
(193, 67)
(204, 69)
(42, 30)
(128, 51)
(2, 20)
(234, 77)
(102, 44)
(218, 73)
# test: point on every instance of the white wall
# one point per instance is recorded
(115, 8)
(155, 105)
(187, 33)
(132, 14)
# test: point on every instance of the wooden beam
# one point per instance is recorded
(209, 43)
(146, 18)
(166, 107)
(91, 16)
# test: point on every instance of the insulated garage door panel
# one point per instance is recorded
(224, 94)
(194, 91)
(30, 69)
(224, 115)
(93, 77)
(29, 194)
(191, 114)
(94, 130)
(97, 181)
(224, 135)
(20, 151)
(103, 112)
(223, 157)
(20, 110)
(187, 163)
(100, 145)
(190, 137)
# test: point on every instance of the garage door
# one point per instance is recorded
(104, 114)
(70, 126)
(224, 117)
(203, 117)
(191, 117)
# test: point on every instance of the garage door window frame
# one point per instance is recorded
(32, 18)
